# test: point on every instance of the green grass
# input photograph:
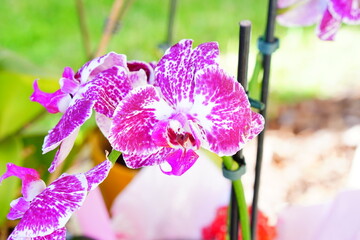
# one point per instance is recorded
(47, 33)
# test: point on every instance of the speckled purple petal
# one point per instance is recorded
(328, 27)
(52, 208)
(180, 161)
(53, 102)
(346, 10)
(17, 208)
(134, 120)
(97, 175)
(175, 71)
(138, 161)
(64, 150)
(32, 185)
(59, 234)
(222, 110)
(73, 118)
(305, 13)
(135, 66)
(99, 64)
(114, 84)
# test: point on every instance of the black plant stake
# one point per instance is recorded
(267, 45)
(244, 43)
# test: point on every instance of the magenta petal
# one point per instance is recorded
(328, 27)
(73, 118)
(59, 234)
(99, 64)
(256, 125)
(304, 13)
(53, 102)
(176, 69)
(180, 161)
(134, 120)
(97, 175)
(68, 83)
(32, 185)
(346, 10)
(52, 208)
(18, 208)
(222, 111)
(204, 55)
(138, 161)
(64, 150)
(135, 66)
(113, 85)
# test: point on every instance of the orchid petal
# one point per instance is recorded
(222, 110)
(176, 69)
(64, 150)
(138, 161)
(32, 185)
(304, 13)
(59, 234)
(135, 66)
(53, 207)
(17, 208)
(328, 27)
(134, 120)
(97, 175)
(104, 123)
(180, 161)
(346, 10)
(113, 85)
(92, 68)
(73, 118)
(53, 102)
(68, 83)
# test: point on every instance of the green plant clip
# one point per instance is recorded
(256, 104)
(268, 48)
(233, 174)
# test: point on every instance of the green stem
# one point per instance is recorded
(230, 164)
(113, 156)
(255, 81)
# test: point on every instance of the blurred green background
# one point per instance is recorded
(39, 38)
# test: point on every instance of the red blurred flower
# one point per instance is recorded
(218, 228)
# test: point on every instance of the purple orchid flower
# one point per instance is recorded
(192, 104)
(100, 84)
(328, 13)
(44, 211)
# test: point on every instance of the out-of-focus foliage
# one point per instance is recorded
(10, 151)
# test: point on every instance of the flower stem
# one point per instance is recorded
(230, 164)
(83, 28)
(255, 81)
(113, 156)
(109, 28)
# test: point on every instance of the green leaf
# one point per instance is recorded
(10, 151)
(16, 108)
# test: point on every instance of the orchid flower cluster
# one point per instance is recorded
(329, 14)
(153, 113)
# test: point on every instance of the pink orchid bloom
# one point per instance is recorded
(44, 211)
(329, 14)
(192, 104)
(100, 84)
